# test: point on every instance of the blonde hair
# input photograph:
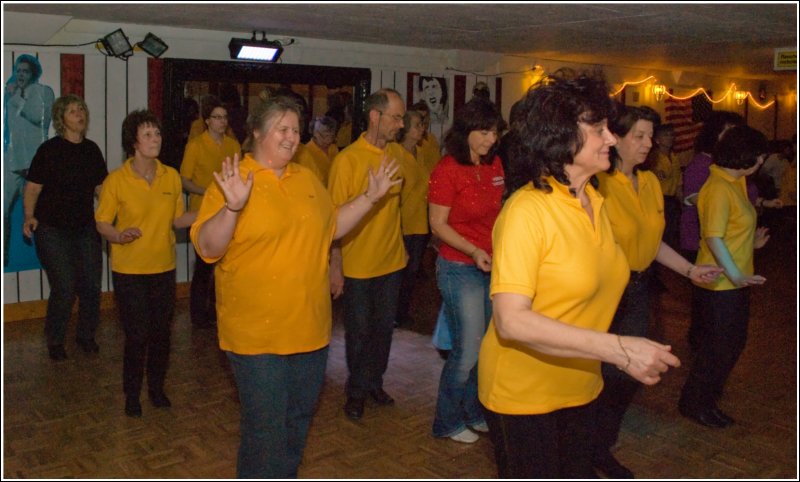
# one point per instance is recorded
(60, 108)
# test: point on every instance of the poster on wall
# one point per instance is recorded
(26, 122)
(434, 91)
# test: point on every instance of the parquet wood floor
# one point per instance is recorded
(66, 420)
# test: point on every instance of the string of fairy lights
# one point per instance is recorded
(660, 90)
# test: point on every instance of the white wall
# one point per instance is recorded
(114, 87)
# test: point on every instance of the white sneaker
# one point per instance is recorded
(480, 427)
(465, 436)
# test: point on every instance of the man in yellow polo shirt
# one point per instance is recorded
(372, 255)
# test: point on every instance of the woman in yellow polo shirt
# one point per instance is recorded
(557, 275)
(635, 208)
(203, 156)
(268, 223)
(140, 204)
(729, 235)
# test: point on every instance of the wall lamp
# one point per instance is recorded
(117, 45)
(740, 96)
(251, 49)
(153, 45)
(659, 90)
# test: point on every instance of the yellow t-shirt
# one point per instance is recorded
(202, 158)
(273, 293)
(345, 135)
(414, 195)
(637, 219)
(726, 212)
(311, 156)
(546, 248)
(375, 246)
(429, 152)
(668, 172)
(128, 201)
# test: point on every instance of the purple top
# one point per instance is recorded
(694, 177)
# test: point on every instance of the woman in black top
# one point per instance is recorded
(59, 211)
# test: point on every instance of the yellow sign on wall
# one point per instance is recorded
(786, 58)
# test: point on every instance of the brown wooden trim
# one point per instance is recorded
(410, 89)
(459, 92)
(498, 93)
(28, 310)
(155, 87)
(72, 75)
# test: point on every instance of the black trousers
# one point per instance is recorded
(725, 316)
(555, 445)
(146, 305)
(202, 298)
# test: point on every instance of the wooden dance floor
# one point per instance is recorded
(66, 420)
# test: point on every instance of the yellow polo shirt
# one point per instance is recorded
(546, 248)
(311, 156)
(273, 293)
(414, 195)
(128, 201)
(668, 172)
(375, 246)
(726, 212)
(203, 157)
(430, 152)
(637, 218)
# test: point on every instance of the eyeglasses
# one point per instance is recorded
(219, 117)
(396, 117)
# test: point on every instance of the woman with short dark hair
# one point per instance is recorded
(557, 275)
(729, 235)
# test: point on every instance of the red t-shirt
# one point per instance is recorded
(473, 195)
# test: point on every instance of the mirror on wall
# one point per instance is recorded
(336, 91)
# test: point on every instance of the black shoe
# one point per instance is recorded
(705, 417)
(88, 345)
(723, 416)
(354, 408)
(133, 408)
(159, 399)
(381, 397)
(57, 352)
(611, 467)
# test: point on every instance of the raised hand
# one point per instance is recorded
(236, 191)
(380, 181)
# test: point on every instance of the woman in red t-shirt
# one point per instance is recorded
(464, 200)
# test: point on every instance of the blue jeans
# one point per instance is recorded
(465, 297)
(370, 310)
(73, 263)
(278, 396)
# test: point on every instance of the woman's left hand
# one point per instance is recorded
(762, 236)
(380, 181)
(705, 273)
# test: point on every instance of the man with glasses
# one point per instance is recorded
(203, 156)
(372, 256)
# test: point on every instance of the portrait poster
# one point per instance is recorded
(26, 124)
(434, 91)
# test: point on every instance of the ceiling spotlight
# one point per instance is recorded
(117, 44)
(153, 45)
(251, 49)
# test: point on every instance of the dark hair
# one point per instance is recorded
(265, 113)
(324, 123)
(476, 115)
(421, 106)
(662, 128)
(211, 102)
(547, 136)
(60, 108)
(401, 134)
(130, 128)
(712, 127)
(740, 148)
(622, 124)
(378, 100)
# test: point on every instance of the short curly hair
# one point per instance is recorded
(740, 148)
(60, 107)
(130, 128)
(546, 135)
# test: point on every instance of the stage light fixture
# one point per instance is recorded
(117, 44)
(153, 45)
(251, 49)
